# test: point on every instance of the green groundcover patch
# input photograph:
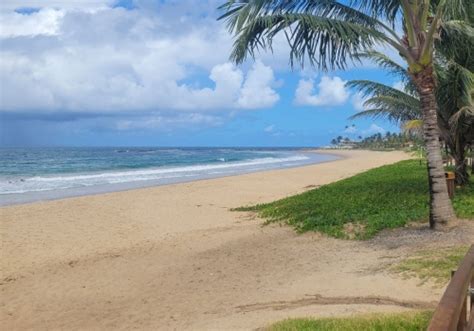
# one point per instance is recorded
(432, 265)
(410, 321)
(360, 206)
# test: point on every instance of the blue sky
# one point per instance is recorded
(143, 72)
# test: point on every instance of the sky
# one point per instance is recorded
(157, 73)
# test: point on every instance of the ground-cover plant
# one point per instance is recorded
(360, 206)
(463, 201)
(410, 321)
(432, 265)
(332, 34)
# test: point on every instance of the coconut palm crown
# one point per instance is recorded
(330, 34)
(454, 94)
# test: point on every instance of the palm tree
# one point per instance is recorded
(454, 99)
(456, 118)
(329, 34)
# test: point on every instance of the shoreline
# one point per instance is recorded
(176, 257)
(15, 199)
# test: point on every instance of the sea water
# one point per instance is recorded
(32, 174)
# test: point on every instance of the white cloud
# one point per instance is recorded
(256, 91)
(358, 101)
(269, 128)
(374, 128)
(63, 4)
(166, 123)
(352, 130)
(228, 81)
(331, 92)
(134, 61)
(44, 22)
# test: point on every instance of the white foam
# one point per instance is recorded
(47, 183)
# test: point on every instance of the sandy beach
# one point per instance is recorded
(175, 257)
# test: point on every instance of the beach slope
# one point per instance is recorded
(176, 257)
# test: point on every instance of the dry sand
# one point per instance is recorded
(175, 257)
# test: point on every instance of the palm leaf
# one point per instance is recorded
(386, 102)
(456, 43)
(413, 127)
(462, 119)
(394, 68)
(394, 109)
(327, 33)
(369, 88)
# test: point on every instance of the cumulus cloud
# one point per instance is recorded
(358, 101)
(63, 4)
(374, 128)
(330, 92)
(97, 60)
(256, 91)
(44, 22)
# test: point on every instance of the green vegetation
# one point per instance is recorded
(463, 201)
(387, 142)
(360, 206)
(402, 106)
(435, 265)
(332, 34)
(412, 321)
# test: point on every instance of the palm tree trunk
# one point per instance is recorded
(441, 209)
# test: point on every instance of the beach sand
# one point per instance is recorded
(176, 257)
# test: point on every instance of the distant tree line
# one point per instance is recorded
(380, 141)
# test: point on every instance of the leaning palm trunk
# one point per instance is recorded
(441, 210)
(329, 33)
(454, 101)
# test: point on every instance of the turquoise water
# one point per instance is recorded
(45, 161)
(29, 174)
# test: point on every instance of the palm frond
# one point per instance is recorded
(243, 10)
(326, 32)
(462, 120)
(325, 42)
(455, 88)
(391, 108)
(386, 102)
(388, 10)
(384, 62)
(456, 43)
(371, 88)
(413, 127)
(457, 10)
(394, 68)
(413, 124)
(375, 113)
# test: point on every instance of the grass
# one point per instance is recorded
(412, 321)
(463, 201)
(435, 265)
(360, 206)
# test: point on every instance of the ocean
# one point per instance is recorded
(34, 174)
